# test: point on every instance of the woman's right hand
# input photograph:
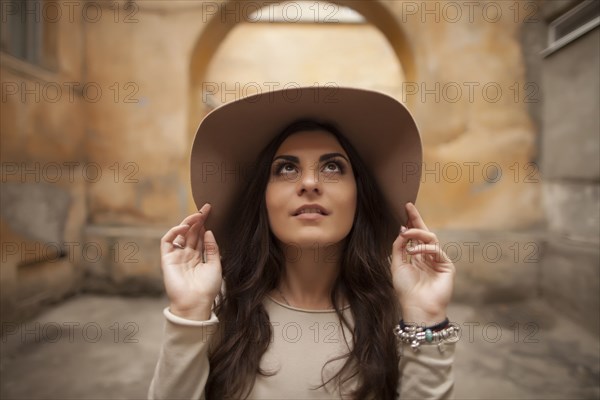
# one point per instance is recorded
(192, 283)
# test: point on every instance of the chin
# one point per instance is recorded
(312, 240)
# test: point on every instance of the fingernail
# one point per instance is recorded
(402, 229)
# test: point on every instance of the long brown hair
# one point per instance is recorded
(253, 264)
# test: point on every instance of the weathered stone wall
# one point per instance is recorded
(471, 80)
(43, 208)
(570, 160)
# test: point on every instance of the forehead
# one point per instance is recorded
(317, 141)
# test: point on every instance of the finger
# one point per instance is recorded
(179, 241)
(414, 218)
(424, 236)
(399, 246)
(431, 249)
(191, 238)
(211, 249)
(200, 216)
(196, 221)
(200, 241)
(172, 234)
(166, 242)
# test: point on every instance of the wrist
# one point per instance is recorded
(419, 316)
(200, 313)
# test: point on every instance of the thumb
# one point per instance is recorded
(211, 249)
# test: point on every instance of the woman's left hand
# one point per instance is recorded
(423, 284)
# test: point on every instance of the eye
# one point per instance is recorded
(284, 168)
(333, 167)
(287, 168)
(329, 165)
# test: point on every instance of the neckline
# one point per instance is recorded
(332, 310)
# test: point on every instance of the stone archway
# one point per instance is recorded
(221, 23)
(375, 12)
(435, 56)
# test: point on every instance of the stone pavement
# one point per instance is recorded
(94, 347)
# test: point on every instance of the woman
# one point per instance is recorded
(302, 297)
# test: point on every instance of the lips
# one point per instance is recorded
(311, 209)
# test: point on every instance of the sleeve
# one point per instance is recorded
(182, 368)
(427, 373)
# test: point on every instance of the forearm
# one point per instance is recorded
(182, 368)
(427, 373)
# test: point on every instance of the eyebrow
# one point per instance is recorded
(324, 157)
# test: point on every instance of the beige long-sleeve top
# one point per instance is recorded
(303, 340)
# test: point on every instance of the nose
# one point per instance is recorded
(309, 182)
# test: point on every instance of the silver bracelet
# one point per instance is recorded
(416, 335)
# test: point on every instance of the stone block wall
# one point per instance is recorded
(528, 185)
(570, 160)
(42, 190)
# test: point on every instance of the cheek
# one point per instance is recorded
(349, 204)
(352, 205)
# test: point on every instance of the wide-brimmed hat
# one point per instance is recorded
(230, 138)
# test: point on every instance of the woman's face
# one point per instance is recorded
(311, 168)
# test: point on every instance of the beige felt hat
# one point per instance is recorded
(231, 136)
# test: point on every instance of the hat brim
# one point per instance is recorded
(231, 136)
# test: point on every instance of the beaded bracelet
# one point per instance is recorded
(415, 335)
(436, 327)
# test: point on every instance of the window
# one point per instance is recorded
(26, 34)
(573, 24)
